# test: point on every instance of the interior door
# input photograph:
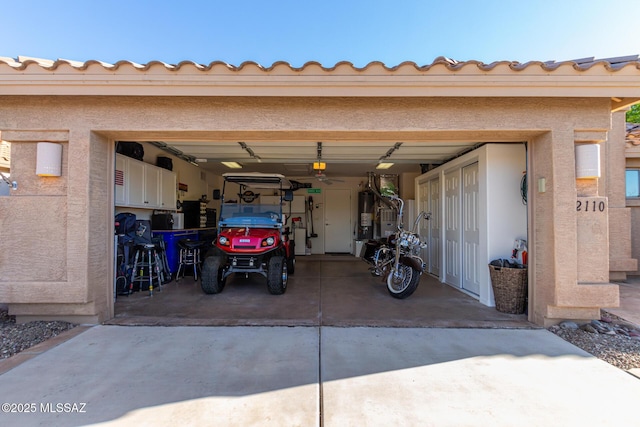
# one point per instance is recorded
(470, 229)
(452, 233)
(338, 227)
(434, 248)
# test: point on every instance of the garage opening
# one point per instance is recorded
(470, 189)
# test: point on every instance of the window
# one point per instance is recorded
(632, 182)
(5, 162)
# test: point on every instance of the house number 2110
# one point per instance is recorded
(590, 206)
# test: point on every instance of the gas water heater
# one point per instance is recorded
(366, 208)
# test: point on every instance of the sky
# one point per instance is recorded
(325, 31)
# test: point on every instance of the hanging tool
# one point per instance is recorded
(313, 233)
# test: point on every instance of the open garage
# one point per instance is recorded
(331, 219)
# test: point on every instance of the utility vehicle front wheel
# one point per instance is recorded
(277, 275)
(211, 281)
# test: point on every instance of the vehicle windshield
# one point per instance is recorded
(250, 215)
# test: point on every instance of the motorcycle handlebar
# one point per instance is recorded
(423, 214)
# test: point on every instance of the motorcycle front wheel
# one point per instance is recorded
(404, 283)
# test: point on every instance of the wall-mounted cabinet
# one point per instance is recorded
(142, 185)
(167, 189)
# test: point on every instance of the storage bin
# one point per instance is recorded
(509, 288)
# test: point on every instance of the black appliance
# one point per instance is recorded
(211, 217)
(195, 213)
(162, 221)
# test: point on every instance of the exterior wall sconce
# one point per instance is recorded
(587, 161)
(49, 159)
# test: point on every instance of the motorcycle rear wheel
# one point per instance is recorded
(404, 283)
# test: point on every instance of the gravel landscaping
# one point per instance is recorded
(18, 337)
(611, 339)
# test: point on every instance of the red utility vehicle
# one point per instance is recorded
(252, 237)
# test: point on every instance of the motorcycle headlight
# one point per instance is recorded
(404, 239)
(223, 241)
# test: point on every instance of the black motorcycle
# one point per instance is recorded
(397, 258)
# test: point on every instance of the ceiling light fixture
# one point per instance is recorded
(319, 165)
(232, 165)
(384, 165)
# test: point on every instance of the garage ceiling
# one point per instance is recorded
(295, 158)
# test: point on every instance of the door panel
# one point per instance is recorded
(452, 227)
(470, 231)
(338, 228)
(435, 224)
(423, 229)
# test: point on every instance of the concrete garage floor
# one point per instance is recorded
(326, 290)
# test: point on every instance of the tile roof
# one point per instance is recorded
(582, 64)
(615, 78)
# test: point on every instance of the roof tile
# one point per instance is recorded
(582, 64)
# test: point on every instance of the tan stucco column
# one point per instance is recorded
(54, 268)
(570, 233)
(620, 258)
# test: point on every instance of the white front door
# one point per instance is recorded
(338, 227)
(470, 229)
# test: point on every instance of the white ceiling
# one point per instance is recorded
(295, 158)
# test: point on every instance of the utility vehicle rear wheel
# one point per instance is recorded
(291, 261)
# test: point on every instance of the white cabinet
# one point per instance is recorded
(142, 185)
(168, 183)
(134, 184)
(151, 186)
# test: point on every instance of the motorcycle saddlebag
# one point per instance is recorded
(368, 250)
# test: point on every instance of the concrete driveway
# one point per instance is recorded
(315, 376)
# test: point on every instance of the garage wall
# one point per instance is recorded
(551, 123)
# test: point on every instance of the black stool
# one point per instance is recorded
(189, 256)
(146, 261)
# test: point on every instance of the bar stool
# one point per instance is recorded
(189, 256)
(146, 261)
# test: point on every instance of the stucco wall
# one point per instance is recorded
(79, 273)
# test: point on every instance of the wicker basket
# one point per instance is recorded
(509, 288)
